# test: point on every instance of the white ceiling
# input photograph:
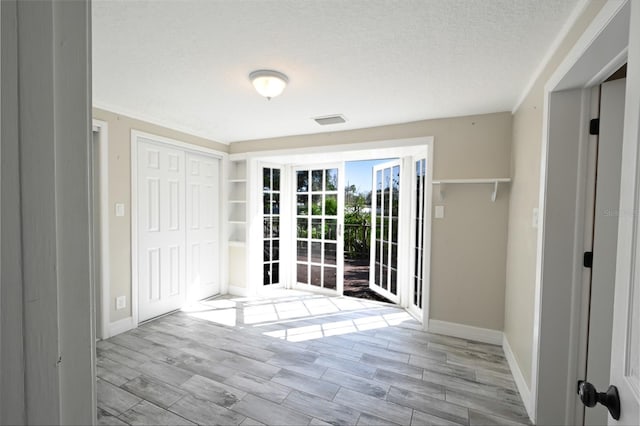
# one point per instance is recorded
(185, 64)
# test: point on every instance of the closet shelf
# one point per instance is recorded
(237, 180)
(493, 181)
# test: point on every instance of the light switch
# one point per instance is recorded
(121, 302)
(439, 214)
(119, 209)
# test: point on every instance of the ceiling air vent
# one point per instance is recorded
(330, 119)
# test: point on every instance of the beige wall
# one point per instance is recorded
(469, 244)
(119, 128)
(522, 242)
(469, 248)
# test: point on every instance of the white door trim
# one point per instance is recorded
(135, 134)
(187, 147)
(105, 277)
(391, 148)
(426, 266)
(601, 49)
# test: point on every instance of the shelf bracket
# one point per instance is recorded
(494, 194)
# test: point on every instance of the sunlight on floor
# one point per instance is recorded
(291, 309)
(219, 311)
(318, 331)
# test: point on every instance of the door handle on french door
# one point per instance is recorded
(590, 397)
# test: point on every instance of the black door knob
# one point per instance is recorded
(590, 397)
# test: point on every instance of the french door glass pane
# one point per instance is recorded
(266, 228)
(330, 253)
(303, 181)
(303, 204)
(330, 229)
(330, 277)
(302, 275)
(316, 252)
(316, 180)
(331, 181)
(316, 275)
(303, 225)
(303, 251)
(266, 179)
(316, 205)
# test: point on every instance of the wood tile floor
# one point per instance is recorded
(300, 359)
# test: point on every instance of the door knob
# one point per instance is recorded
(590, 397)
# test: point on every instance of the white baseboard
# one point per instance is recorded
(238, 291)
(484, 335)
(120, 326)
(525, 392)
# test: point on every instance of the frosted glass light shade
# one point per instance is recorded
(268, 83)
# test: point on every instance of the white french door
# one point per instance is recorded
(161, 230)
(202, 233)
(385, 221)
(177, 227)
(319, 203)
(271, 202)
(419, 238)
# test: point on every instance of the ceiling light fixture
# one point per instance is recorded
(269, 83)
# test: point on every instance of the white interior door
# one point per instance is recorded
(605, 237)
(161, 229)
(625, 348)
(202, 226)
(319, 206)
(385, 221)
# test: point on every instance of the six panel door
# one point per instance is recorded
(202, 227)
(178, 228)
(161, 229)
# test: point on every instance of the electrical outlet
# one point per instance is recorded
(121, 302)
(119, 210)
(439, 212)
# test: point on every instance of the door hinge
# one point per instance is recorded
(594, 126)
(587, 260)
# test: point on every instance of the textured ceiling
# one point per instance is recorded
(185, 64)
